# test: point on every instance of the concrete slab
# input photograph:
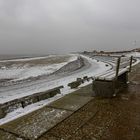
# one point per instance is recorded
(84, 91)
(71, 102)
(113, 119)
(8, 136)
(49, 138)
(117, 118)
(135, 79)
(96, 126)
(68, 127)
(35, 124)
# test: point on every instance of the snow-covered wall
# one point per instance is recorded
(71, 66)
(12, 105)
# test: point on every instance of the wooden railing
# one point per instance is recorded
(113, 81)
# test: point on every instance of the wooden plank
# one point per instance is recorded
(117, 68)
(131, 60)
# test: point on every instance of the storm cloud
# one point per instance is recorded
(61, 26)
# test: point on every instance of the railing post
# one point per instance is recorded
(131, 59)
(117, 68)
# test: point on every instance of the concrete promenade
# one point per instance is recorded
(78, 116)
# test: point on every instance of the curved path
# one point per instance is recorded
(91, 68)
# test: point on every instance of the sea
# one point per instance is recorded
(18, 56)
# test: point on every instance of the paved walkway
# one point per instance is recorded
(78, 116)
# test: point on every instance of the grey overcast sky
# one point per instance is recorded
(61, 26)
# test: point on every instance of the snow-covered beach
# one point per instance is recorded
(92, 67)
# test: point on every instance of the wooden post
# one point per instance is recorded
(131, 59)
(118, 67)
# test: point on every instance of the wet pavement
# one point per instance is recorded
(78, 116)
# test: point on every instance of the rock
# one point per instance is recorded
(74, 84)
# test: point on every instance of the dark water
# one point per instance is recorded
(8, 57)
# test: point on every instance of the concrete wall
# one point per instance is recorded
(102, 88)
(72, 66)
(27, 100)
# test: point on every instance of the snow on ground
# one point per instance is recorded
(30, 108)
(23, 111)
(22, 71)
(135, 54)
(92, 68)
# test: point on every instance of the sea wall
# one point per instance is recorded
(27, 100)
(71, 66)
